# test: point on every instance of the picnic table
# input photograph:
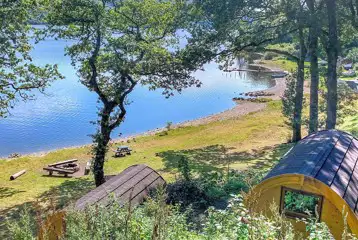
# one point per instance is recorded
(122, 151)
(59, 170)
(63, 167)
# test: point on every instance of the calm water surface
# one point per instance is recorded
(62, 117)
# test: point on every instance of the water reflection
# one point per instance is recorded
(62, 118)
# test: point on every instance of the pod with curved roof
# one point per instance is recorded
(130, 186)
(318, 176)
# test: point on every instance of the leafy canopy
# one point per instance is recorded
(18, 75)
(129, 42)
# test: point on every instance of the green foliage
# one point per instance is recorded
(300, 203)
(288, 100)
(153, 220)
(288, 47)
(188, 194)
(156, 220)
(19, 77)
(346, 104)
(353, 55)
(184, 169)
(317, 230)
(211, 189)
(269, 55)
(24, 228)
(117, 46)
(169, 126)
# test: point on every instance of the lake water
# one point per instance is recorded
(62, 117)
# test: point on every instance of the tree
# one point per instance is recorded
(19, 77)
(295, 12)
(119, 44)
(297, 115)
(346, 105)
(288, 99)
(332, 54)
(234, 26)
(314, 31)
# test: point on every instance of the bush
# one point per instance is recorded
(188, 193)
(162, 133)
(158, 221)
(269, 55)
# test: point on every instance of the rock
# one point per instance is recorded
(14, 155)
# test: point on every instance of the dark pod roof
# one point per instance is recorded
(328, 156)
(131, 185)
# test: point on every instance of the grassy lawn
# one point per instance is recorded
(286, 65)
(254, 140)
(347, 78)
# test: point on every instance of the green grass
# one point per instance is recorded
(347, 78)
(350, 123)
(253, 140)
(286, 65)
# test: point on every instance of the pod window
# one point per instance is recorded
(300, 204)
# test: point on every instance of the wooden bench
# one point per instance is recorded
(62, 162)
(122, 151)
(63, 167)
(58, 170)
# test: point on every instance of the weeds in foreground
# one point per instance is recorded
(159, 221)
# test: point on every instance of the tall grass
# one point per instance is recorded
(158, 221)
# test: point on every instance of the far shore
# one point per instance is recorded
(241, 109)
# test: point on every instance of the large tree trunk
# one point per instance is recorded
(297, 117)
(312, 49)
(101, 141)
(332, 55)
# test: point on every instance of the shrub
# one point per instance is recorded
(169, 126)
(162, 133)
(24, 228)
(158, 221)
(183, 167)
(269, 55)
(188, 193)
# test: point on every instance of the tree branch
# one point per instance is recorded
(92, 62)
(121, 100)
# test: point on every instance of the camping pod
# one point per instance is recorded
(130, 186)
(317, 178)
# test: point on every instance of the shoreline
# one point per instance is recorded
(241, 108)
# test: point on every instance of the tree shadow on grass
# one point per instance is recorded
(270, 156)
(6, 192)
(216, 157)
(55, 198)
(67, 192)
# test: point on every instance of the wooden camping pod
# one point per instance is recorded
(324, 165)
(132, 185)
